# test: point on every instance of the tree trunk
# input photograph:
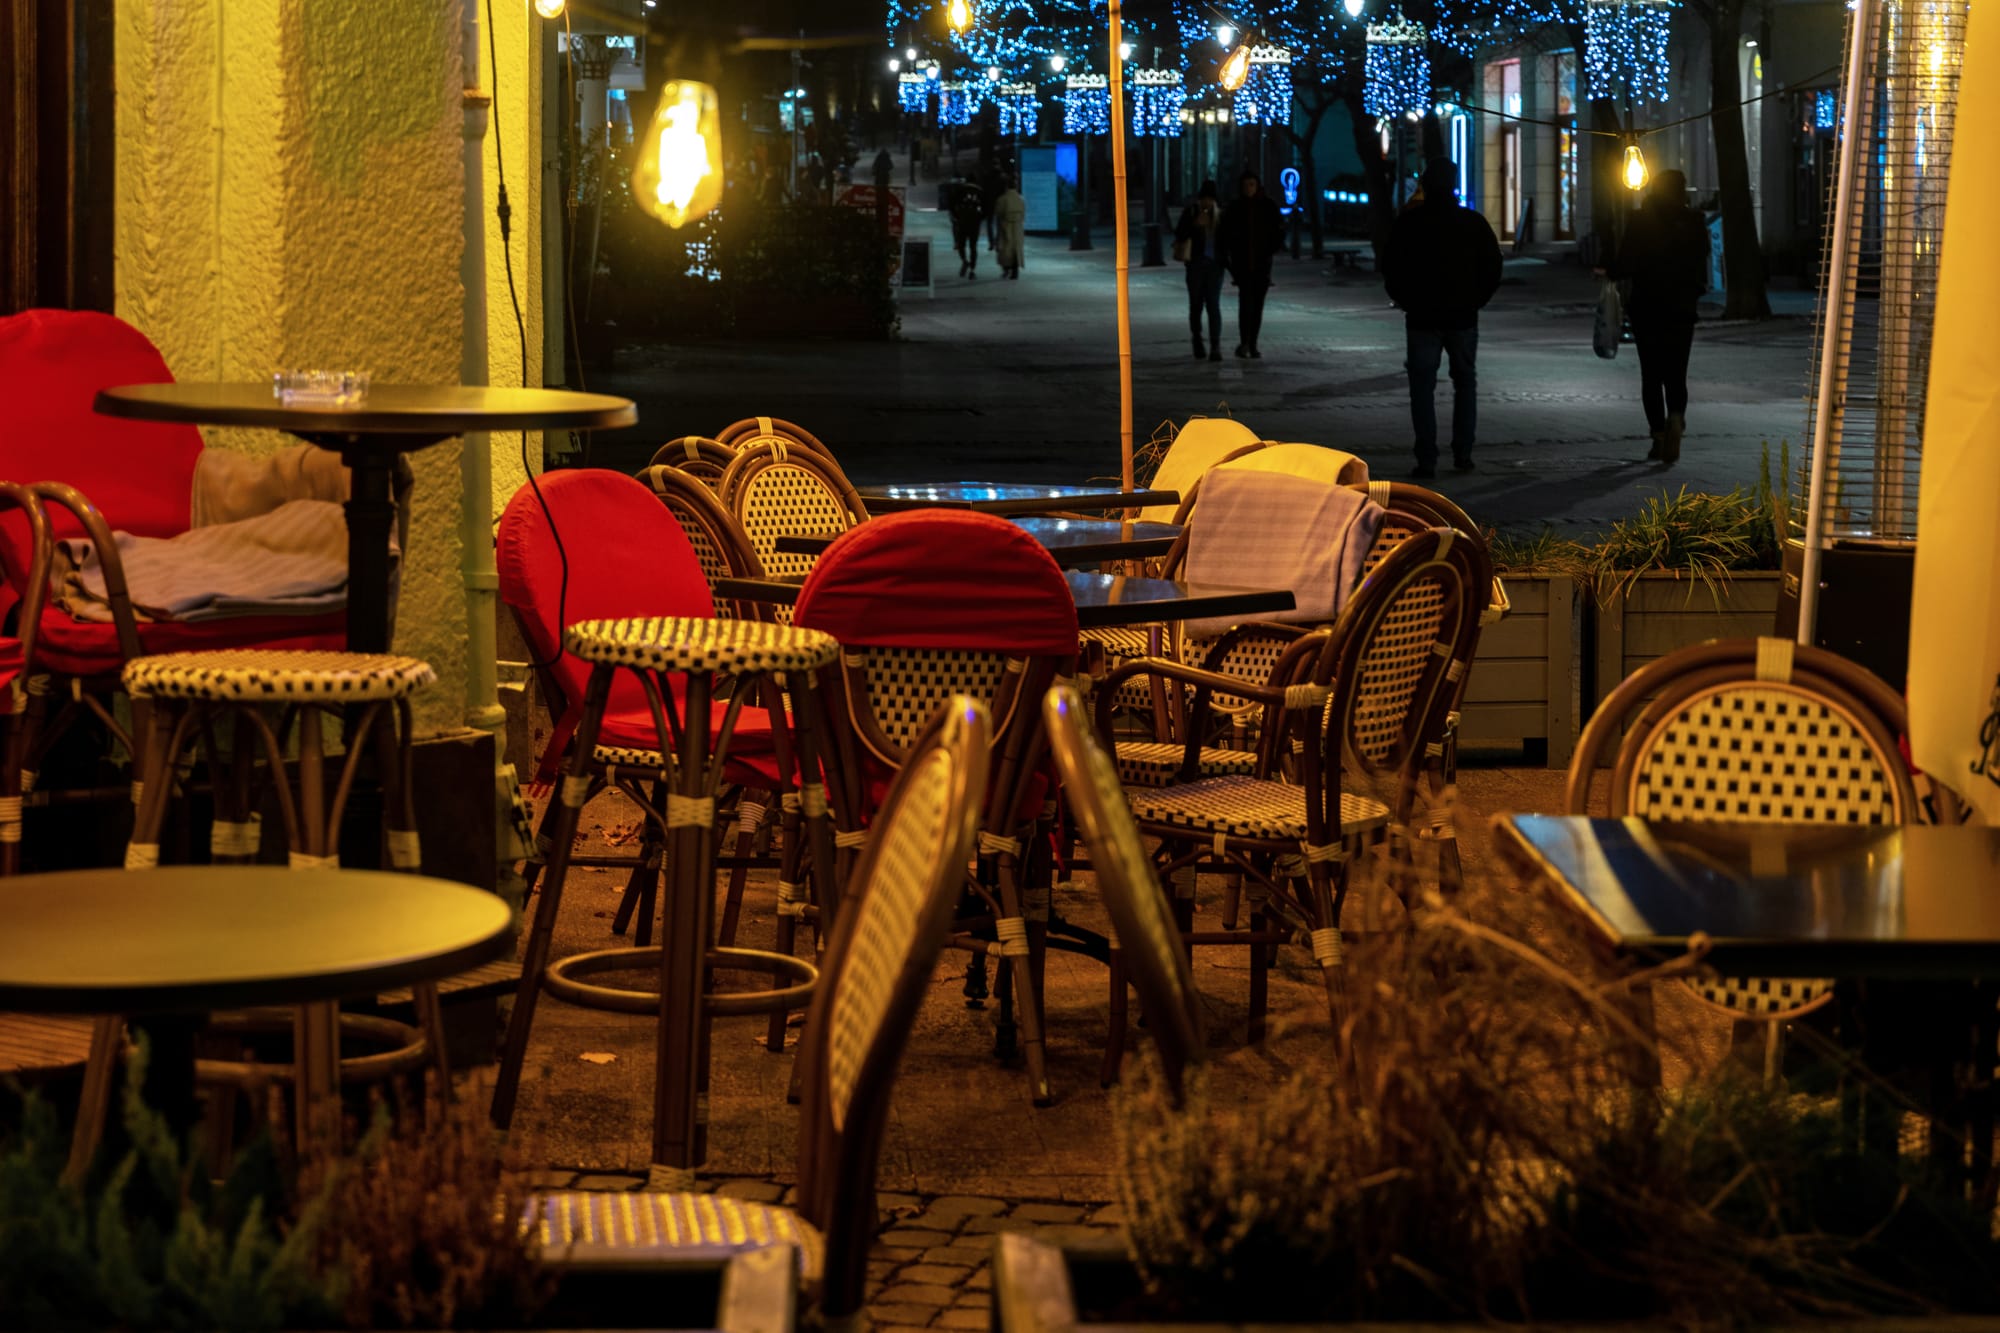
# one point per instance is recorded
(1375, 167)
(1742, 253)
(1309, 176)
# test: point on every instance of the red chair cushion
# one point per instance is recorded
(941, 578)
(140, 474)
(89, 648)
(753, 758)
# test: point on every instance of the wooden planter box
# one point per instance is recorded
(1661, 613)
(1525, 689)
(752, 1292)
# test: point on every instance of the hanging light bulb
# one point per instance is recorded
(1235, 69)
(1635, 168)
(1057, 61)
(550, 9)
(959, 15)
(679, 175)
(1124, 50)
(1354, 8)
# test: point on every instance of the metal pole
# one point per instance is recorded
(1124, 244)
(1839, 306)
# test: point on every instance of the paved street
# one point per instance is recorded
(1018, 381)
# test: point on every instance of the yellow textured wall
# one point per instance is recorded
(290, 193)
(516, 132)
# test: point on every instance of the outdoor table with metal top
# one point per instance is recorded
(1071, 541)
(392, 419)
(995, 497)
(1906, 918)
(181, 941)
(1103, 601)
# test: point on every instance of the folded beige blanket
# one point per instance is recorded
(229, 486)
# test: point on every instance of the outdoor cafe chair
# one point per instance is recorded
(927, 605)
(625, 556)
(875, 972)
(1146, 945)
(776, 489)
(31, 1045)
(1763, 730)
(1364, 712)
(740, 435)
(696, 455)
(95, 475)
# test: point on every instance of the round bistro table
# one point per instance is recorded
(392, 419)
(178, 942)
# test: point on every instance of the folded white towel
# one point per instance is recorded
(290, 561)
(1252, 529)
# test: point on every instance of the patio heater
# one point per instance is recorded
(1848, 566)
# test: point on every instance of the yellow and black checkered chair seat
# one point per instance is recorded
(678, 643)
(1157, 763)
(582, 1229)
(907, 686)
(254, 676)
(1246, 807)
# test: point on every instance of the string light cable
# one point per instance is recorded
(1625, 135)
(506, 213)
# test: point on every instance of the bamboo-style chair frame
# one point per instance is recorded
(876, 970)
(739, 435)
(697, 455)
(1729, 709)
(776, 489)
(1369, 709)
(1146, 947)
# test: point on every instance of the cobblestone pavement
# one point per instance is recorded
(931, 1265)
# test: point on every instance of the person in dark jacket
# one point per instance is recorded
(1441, 266)
(968, 208)
(1664, 257)
(1195, 244)
(1248, 238)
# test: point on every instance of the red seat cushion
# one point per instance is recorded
(89, 648)
(753, 757)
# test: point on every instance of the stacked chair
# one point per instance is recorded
(925, 606)
(776, 488)
(696, 455)
(1761, 730)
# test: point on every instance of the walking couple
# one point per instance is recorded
(1240, 240)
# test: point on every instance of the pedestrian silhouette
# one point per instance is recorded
(1196, 239)
(1441, 266)
(1664, 258)
(1249, 237)
(1010, 215)
(968, 207)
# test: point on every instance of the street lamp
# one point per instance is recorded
(894, 64)
(909, 53)
(1225, 34)
(1056, 62)
(1355, 7)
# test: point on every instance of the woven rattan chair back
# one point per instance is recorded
(1142, 919)
(718, 539)
(740, 435)
(1751, 730)
(696, 455)
(776, 490)
(1401, 644)
(873, 977)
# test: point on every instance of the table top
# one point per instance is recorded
(995, 497)
(1811, 900)
(1072, 541)
(439, 411)
(185, 939)
(1103, 601)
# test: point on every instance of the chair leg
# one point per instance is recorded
(567, 807)
(316, 1078)
(93, 1112)
(749, 815)
(1020, 967)
(1114, 1041)
(1260, 976)
(1232, 899)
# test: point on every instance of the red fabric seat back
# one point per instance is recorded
(941, 579)
(627, 558)
(139, 473)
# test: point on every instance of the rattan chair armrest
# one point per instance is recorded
(99, 532)
(1206, 684)
(35, 580)
(1234, 637)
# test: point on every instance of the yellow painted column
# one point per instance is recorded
(290, 194)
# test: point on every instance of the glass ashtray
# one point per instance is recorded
(320, 388)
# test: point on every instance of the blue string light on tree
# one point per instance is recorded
(1398, 72)
(1087, 104)
(1157, 98)
(1266, 95)
(1625, 49)
(1020, 108)
(913, 93)
(957, 102)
